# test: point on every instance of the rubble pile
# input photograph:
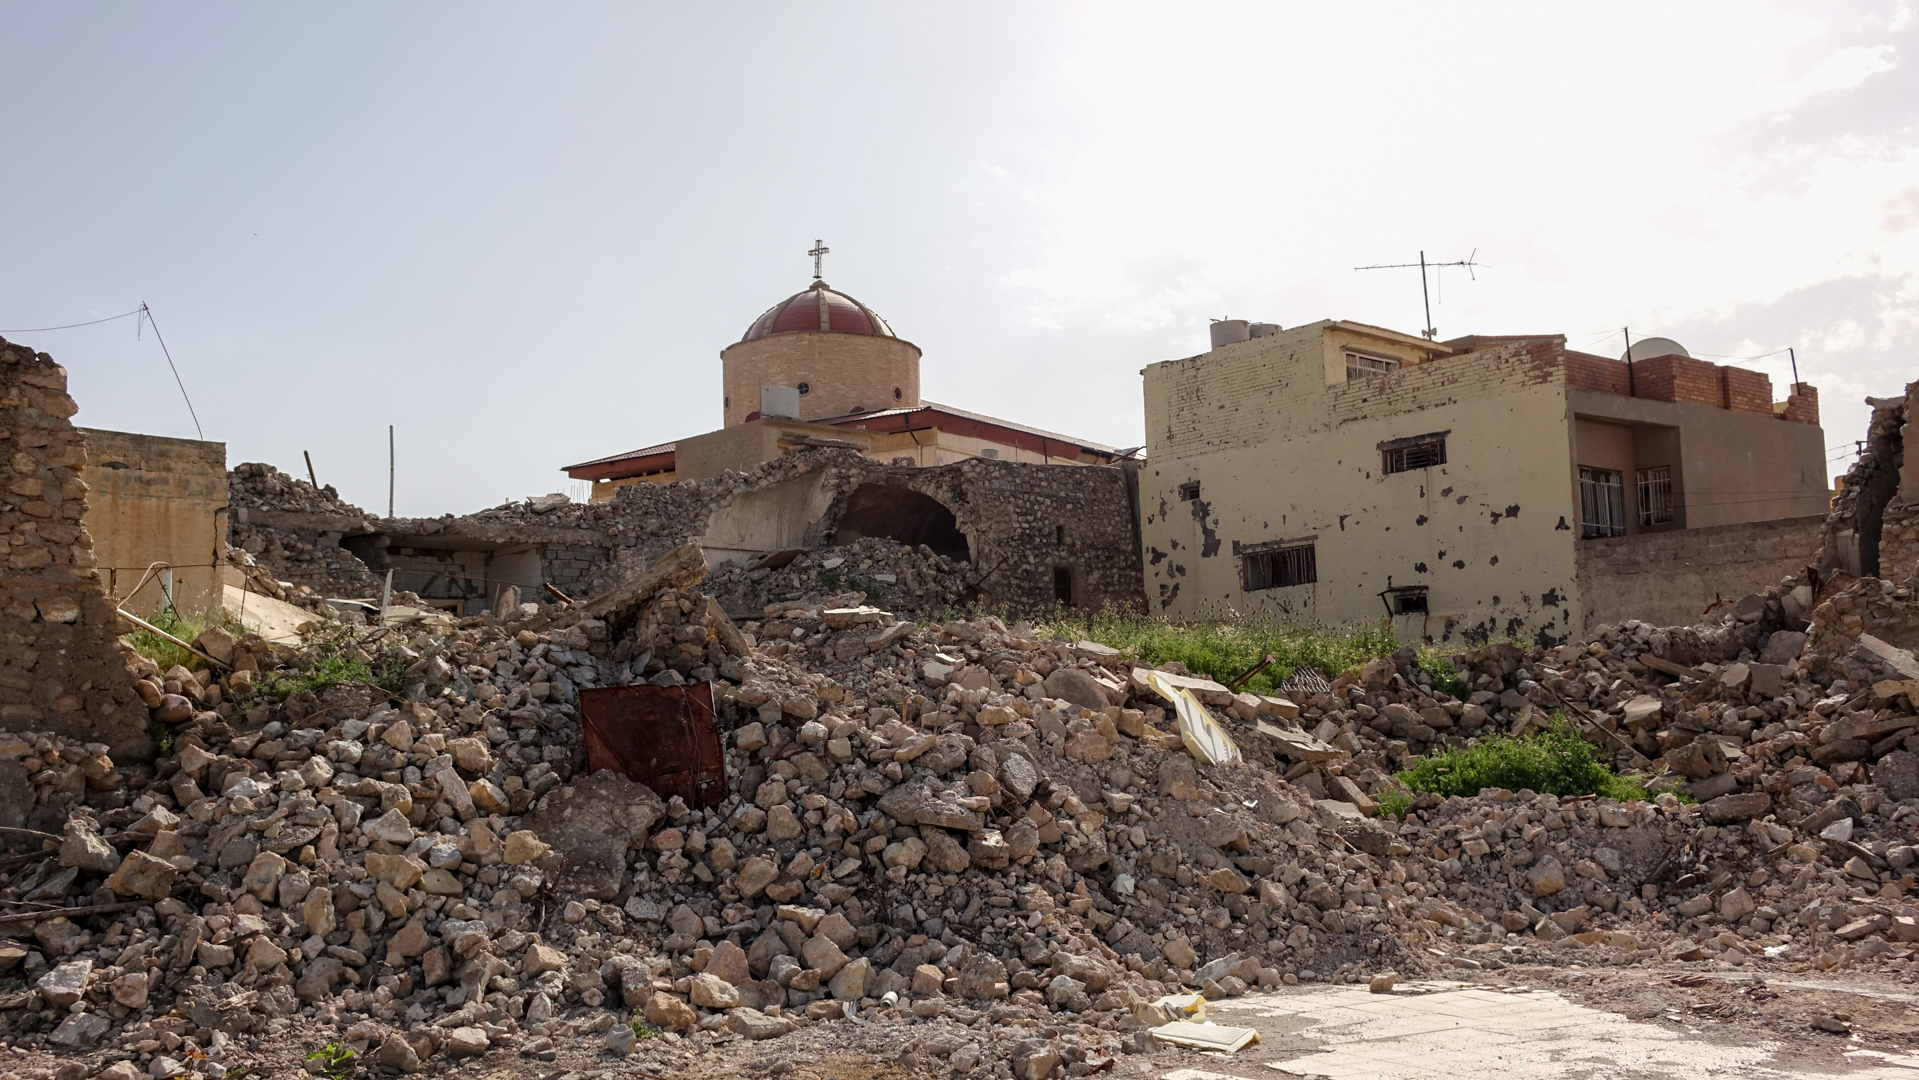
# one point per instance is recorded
(999, 838)
(276, 536)
(903, 579)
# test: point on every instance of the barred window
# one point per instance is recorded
(1189, 491)
(1655, 496)
(1602, 503)
(1406, 599)
(1418, 452)
(1280, 567)
(1363, 365)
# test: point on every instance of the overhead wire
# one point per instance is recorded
(148, 312)
(70, 326)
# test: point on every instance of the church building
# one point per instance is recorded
(821, 369)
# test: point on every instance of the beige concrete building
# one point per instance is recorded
(1466, 490)
(154, 500)
(822, 369)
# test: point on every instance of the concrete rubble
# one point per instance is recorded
(986, 850)
(958, 827)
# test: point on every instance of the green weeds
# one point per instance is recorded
(1223, 645)
(1553, 762)
(336, 1060)
(641, 1029)
(186, 627)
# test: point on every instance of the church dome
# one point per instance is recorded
(818, 309)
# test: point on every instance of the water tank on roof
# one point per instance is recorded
(1227, 331)
(1261, 329)
(1650, 347)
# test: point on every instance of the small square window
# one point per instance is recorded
(1406, 600)
(1189, 491)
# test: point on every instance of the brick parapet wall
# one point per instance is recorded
(1671, 578)
(1802, 407)
(60, 663)
(1682, 378)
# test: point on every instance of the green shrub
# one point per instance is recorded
(1554, 762)
(186, 627)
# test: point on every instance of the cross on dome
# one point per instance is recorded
(819, 249)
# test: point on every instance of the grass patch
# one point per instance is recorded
(338, 661)
(1553, 762)
(186, 627)
(336, 1060)
(641, 1029)
(1221, 646)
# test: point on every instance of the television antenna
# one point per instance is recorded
(1430, 333)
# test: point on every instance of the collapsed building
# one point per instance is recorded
(996, 533)
(1475, 489)
(980, 851)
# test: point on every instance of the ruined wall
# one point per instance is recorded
(1671, 578)
(60, 666)
(152, 499)
(1284, 457)
(1029, 528)
(1873, 530)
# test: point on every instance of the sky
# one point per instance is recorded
(520, 234)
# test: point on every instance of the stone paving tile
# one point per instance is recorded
(1454, 1032)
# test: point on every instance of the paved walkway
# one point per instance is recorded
(1442, 1031)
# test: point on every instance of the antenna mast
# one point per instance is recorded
(1430, 333)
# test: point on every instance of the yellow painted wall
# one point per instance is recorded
(1285, 448)
(152, 499)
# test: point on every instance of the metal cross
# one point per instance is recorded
(819, 249)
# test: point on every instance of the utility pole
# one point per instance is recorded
(1632, 388)
(389, 470)
(1430, 333)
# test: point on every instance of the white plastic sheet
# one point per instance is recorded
(1204, 739)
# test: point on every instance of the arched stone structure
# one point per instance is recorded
(904, 515)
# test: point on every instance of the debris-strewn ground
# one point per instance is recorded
(955, 848)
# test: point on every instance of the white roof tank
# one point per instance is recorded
(1648, 348)
(1227, 331)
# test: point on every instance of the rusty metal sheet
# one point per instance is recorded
(665, 737)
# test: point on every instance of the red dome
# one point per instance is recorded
(817, 309)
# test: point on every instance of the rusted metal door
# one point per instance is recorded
(665, 737)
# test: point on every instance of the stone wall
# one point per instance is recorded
(1030, 530)
(1873, 530)
(60, 663)
(1671, 578)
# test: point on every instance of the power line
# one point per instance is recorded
(70, 326)
(148, 312)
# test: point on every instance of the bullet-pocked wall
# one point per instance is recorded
(1283, 473)
(60, 665)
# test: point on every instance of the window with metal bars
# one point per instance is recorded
(1280, 567)
(1407, 455)
(1363, 365)
(1602, 503)
(1655, 496)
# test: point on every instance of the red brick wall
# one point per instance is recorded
(1746, 391)
(1588, 372)
(1803, 406)
(1680, 378)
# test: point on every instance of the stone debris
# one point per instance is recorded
(997, 839)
